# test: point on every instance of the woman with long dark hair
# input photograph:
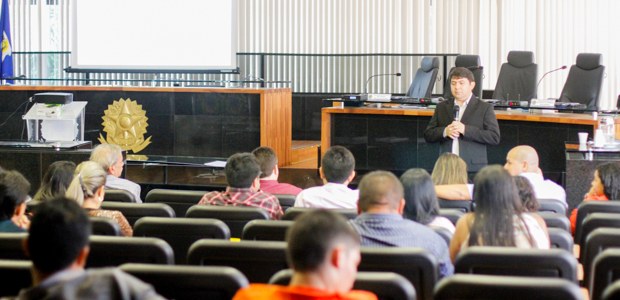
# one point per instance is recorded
(56, 180)
(421, 203)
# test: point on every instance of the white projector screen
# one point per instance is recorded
(143, 35)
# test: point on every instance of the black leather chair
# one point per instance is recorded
(596, 242)
(598, 220)
(612, 292)
(467, 287)
(585, 208)
(119, 196)
(605, 271)
(105, 226)
(555, 220)
(517, 262)
(386, 285)
(11, 246)
(286, 201)
(462, 205)
(179, 200)
(471, 62)
(181, 233)
(266, 230)
(15, 276)
(452, 214)
(561, 239)
(235, 217)
(424, 79)
(111, 251)
(584, 81)
(135, 211)
(517, 77)
(552, 205)
(443, 233)
(257, 260)
(189, 282)
(415, 264)
(294, 212)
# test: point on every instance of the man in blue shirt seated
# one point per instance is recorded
(381, 223)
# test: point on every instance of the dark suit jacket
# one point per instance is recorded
(481, 129)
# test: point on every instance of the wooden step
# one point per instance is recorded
(304, 154)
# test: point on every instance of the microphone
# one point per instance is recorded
(456, 110)
(541, 78)
(377, 75)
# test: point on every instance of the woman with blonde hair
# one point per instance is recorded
(88, 190)
(449, 169)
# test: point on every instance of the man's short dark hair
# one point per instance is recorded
(379, 188)
(338, 163)
(313, 235)
(241, 170)
(58, 232)
(267, 160)
(14, 188)
(460, 72)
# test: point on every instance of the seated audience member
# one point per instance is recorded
(420, 200)
(88, 190)
(110, 157)
(337, 170)
(381, 223)
(242, 173)
(604, 187)
(526, 194)
(324, 252)
(58, 246)
(268, 162)
(14, 190)
(450, 178)
(499, 219)
(55, 181)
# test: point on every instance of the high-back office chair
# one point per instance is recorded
(584, 81)
(517, 77)
(471, 62)
(425, 77)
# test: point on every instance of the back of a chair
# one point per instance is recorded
(294, 212)
(257, 260)
(111, 251)
(11, 245)
(555, 220)
(467, 287)
(452, 214)
(266, 230)
(15, 276)
(181, 233)
(584, 81)
(517, 262)
(517, 77)
(179, 200)
(462, 205)
(105, 226)
(598, 220)
(415, 264)
(115, 195)
(386, 285)
(561, 239)
(472, 63)
(286, 201)
(612, 292)
(596, 242)
(135, 211)
(424, 79)
(605, 270)
(444, 233)
(552, 205)
(189, 282)
(235, 217)
(588, 207)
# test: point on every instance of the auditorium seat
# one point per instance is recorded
(612, 292)
(11, 246)
(15, 275)
(294, 212)
(179, 200)
(105, 226)
(235, 217)
(116, 195)
(415, 264)
(286, 201)
(552, 205)
(424, 78)
(189, 282)
(471, 62)
(517, 262)
(596, 242)
(111, 251)
(587, 207)
(605, 271)
(517, 77)
(598, 220)
(561, 239)
(467, 287)
(181, 233)
(462, 205)
(386, 285)
(257, 260)
(555, 220)
(584, 81)
(443, 233)
(266, 230)
(135, 211)
(452, 214)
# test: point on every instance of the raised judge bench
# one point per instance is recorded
(393, 138)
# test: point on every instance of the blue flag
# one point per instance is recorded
(6, 64)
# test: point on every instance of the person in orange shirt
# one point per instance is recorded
(605, 187)
(324, 252)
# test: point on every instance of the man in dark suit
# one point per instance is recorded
(468, 129)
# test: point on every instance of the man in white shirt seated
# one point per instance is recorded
(337, 170)
(110, 157)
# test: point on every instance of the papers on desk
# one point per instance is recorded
(216, 164)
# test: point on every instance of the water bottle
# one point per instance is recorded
(607, 126)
